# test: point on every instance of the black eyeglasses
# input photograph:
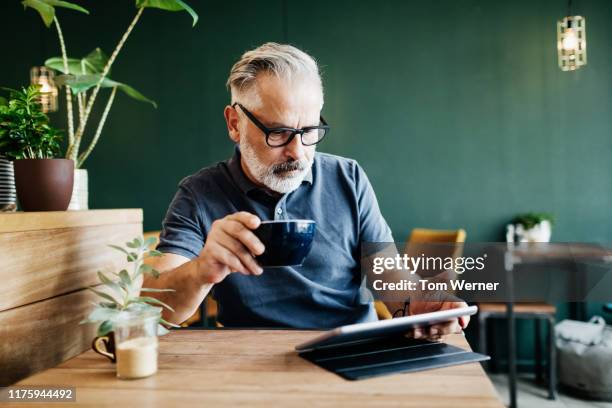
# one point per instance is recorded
(278, 137)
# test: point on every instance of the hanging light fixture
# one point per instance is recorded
(571, 41)
(44, 77)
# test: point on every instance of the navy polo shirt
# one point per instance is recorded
(322, 293)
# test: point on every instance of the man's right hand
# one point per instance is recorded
(230, 247)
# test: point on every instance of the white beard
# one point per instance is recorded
(271, 176)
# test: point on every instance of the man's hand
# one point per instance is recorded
(230, 247)
(437, 330)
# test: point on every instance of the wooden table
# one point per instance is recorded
(211, 368)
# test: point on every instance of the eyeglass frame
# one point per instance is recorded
(268, 131)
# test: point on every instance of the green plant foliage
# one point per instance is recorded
(531, 219)
(121, 293)
(82, 83)
(169, 5)
(86, 76)
(92, 63)
(25, 132)
(46, 8)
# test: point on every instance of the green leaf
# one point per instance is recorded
(101, 314)
(167, 323)
(103, 295)
(82, 83)
(156, 290)
(128, 90)
(3, 101)
(152, 300)
(65, 4)
(92, 63)
(144, 268)
(161, 330)
(169, 5)
(125, 277)
(118, 248)
(111, 284)
(47, 13)
(105, 328)
(155, 252)
(46, 8)
(150, 241)
(57, 63)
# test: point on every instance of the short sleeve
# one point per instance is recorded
(182, 229)
(372, 225)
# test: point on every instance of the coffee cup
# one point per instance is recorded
(287, 242)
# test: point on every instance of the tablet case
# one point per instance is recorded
(389, 355)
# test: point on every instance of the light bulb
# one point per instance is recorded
(45, 87)
(570, 40)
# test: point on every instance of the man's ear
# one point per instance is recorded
(231, 119)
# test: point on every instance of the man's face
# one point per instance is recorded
(277, 103)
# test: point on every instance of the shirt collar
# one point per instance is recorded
(244, 183)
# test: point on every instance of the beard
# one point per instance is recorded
(281, 177)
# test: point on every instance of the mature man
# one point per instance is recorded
(275, 120)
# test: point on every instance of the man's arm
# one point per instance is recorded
(230, 247)
(181, 274)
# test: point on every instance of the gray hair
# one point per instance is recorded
(282, 60)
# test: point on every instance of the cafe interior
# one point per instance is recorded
(477, 122)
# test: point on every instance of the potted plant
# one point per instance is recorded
(83, 78)
(129, 323)
(533, 227)
(43, 182)
(8, 194)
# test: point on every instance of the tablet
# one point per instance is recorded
(370, 331)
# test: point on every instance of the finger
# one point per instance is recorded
(225, 257)
(446, 328)
(239, 250)
(464, 321)
(249, 220)
(237, 230)
(417, 333)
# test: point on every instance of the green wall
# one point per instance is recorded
(456, 109)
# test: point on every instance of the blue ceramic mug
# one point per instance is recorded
(287, 242)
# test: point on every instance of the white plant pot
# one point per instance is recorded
(539, 233)
(80, 193)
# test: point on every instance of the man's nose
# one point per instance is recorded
(295, 148)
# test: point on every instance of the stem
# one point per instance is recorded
(79, 133)
(81, 106)
(68, 91)
(86, 153)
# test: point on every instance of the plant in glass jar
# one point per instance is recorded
(121, 293)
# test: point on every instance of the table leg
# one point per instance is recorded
(538, 350)
(511, 355)
(552, 364)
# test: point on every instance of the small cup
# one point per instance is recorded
(287, 242)
(132, 344)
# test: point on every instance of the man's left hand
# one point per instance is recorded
(436, 331)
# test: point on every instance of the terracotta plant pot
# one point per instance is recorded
(44, 184)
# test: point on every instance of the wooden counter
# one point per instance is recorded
(46, 261)
(211, 368)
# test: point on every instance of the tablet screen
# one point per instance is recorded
(364, 332)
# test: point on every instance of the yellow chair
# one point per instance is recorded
(426, 236)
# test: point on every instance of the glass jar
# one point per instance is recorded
(136, 343)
